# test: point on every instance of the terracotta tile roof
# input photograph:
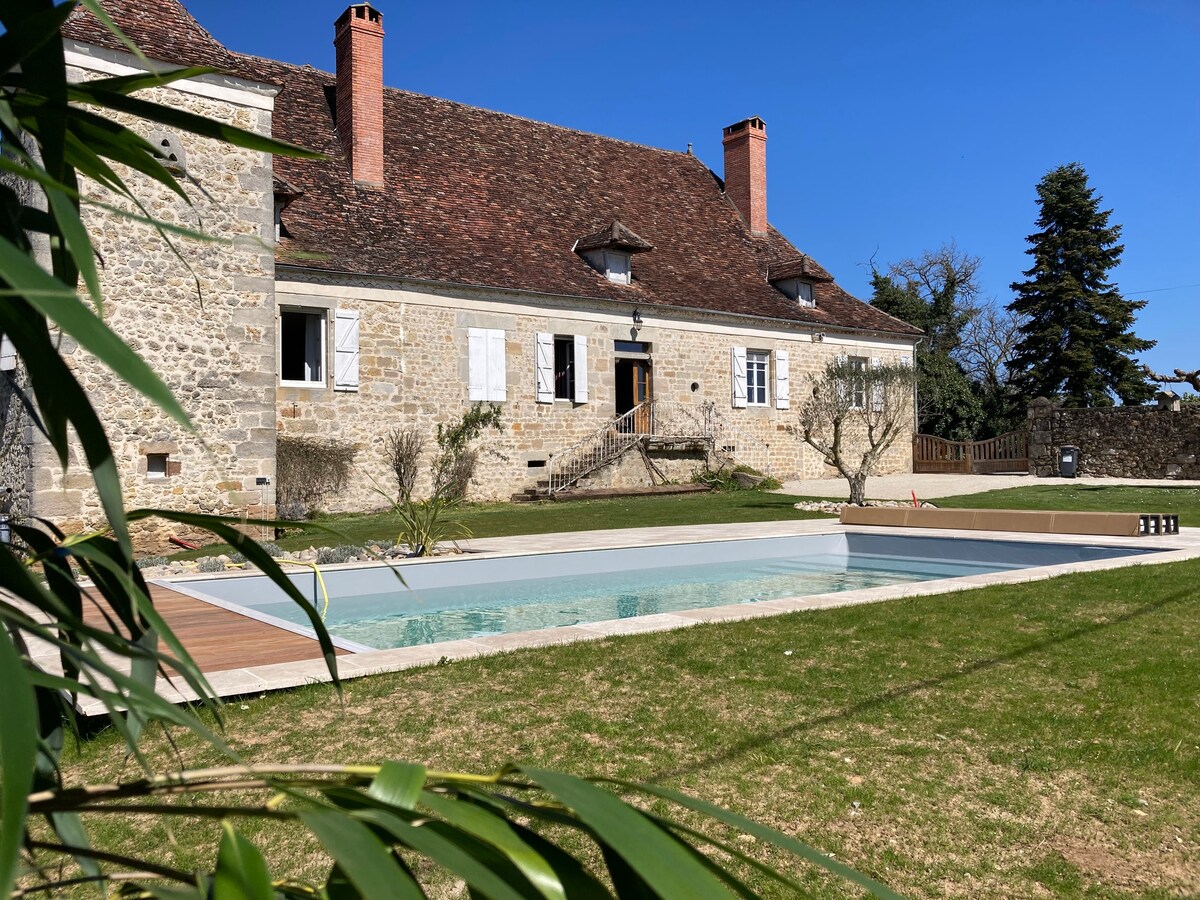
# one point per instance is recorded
(614, 235)
(162, 29)
(482, 198)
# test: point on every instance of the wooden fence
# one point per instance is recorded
(1003, 453)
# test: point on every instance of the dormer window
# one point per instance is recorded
(799, 290)
(284, 195)
(610, 250)
(612, 264)
(796, 279)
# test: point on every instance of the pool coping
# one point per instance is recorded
(279, 676)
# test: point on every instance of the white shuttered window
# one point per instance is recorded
(737, 375)
(486, 373)
(345, 354)
(544, 364)
(783, 389)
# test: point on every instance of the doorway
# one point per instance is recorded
(634, 387)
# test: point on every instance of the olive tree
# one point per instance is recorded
(853, 412)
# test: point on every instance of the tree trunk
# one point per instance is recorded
(858, 489)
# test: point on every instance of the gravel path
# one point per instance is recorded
(930, 487)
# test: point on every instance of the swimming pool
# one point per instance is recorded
(461, 597)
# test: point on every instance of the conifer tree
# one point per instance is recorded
(1076, 339)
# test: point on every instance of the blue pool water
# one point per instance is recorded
(464, 598)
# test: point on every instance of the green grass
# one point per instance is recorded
(1184, 501)
(1015, 741)
(504, 519)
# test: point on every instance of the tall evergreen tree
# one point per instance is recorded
(1077, 339)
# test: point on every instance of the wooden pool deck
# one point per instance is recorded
(220, 640)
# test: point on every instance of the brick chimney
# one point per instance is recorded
(358, 40)
(745, 145)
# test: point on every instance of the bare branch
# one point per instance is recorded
(1180, 377)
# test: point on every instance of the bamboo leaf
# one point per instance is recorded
(764, 833)
(18, 757)
(27, 35)
(241, 872)
(398, 784)
(87, 92)
(493, 829)
(649, 852)
(364, 859)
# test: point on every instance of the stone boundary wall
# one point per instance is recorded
(1118, 441)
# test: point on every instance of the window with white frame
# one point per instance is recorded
(758, 364)
(750, 375)
(561, 368)
(799, 290)
(302, 347)
(486, 371)
(612, 264)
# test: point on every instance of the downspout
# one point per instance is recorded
(916, 417)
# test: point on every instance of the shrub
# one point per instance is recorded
(454, 465)
(724, 479)
(210, 564)
(307, 471)
(331, 555)
(150, 562)
(403, 449)
(424, 525)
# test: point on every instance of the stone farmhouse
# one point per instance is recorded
(438, 256)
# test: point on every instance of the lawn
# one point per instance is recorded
(1184, 501)
(1032, 740)
(486, 520)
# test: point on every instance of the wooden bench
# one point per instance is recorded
(1036, 521)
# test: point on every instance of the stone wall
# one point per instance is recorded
(1119, 442)
(413, 369)
(204, 323)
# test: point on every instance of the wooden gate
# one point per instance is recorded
(1003, 453)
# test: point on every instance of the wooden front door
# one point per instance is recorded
(635, 385)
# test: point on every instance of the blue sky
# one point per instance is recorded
(892, 127)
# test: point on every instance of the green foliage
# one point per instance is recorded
(937, 292)
(426, 524)
(1077, 341)
(454, 466)
(340, 554)
(494, 833)
(725, 479)
(307, 471)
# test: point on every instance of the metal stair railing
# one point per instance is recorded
(602, 446)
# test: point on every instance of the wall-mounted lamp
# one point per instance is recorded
(818, 336)
(637, 318)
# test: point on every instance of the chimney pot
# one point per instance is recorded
(358, 41)
(745, 144)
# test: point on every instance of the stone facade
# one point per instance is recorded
(205, 323)
(1118, 442)
(413, 372)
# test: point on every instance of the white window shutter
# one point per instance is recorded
(544, 364)
(581, 369)
(783, 388)
(876, 387)
(345, 350)
(476, 364)
(8, 354)
(497, 381)
(737, 356)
